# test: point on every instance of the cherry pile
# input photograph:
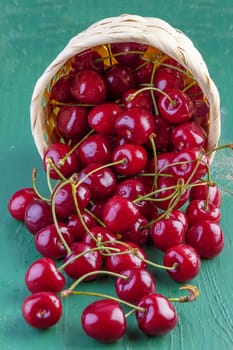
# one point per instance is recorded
(130, 169)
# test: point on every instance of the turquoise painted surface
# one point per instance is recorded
(31, 35)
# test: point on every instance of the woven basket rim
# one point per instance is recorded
(147, 30)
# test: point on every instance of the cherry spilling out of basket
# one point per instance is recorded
(129, 168)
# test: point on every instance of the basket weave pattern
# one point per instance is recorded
(150, 31)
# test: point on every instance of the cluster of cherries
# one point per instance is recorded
(132, 126)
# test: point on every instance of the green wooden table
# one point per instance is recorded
(31, 35)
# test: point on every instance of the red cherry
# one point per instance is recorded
(57, 152)
(42, 309)
(177, 214)
(42, 275)
(60, 91)
(188, 135)
(88, 59)
(126, 260)
(48, 243)
(72, 122)
(88, 87)
(102, 117)
(159, 317)
(104, 320)
(119, 79)
(99, 232)
(197, 210)
(207, 238)
(135, 125)
(163, 133)
(116, 210)
(205, 192)
(77, 227)
(19, 201)
(94, 149)
(201, 113)
(134, 156)
(122, 54)
(90, 261)
(178, 108)
(38, 214)
(143, 71)
(195, 92)
(163, 163)
(64, 201)
(101, 182)
(138, 233)
(142, 100)
(188, 261)
(167, 232)
(168, 78)
(139, 283)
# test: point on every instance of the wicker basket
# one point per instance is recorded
(151, 31)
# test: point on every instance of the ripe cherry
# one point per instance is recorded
(77, 227)
(88, 87)
(188, 135)
(60, 91)
(19, 201)
(65, 162)
(104, 320)
(178, 108)
(168, 78)
(141, 100)
(187, 260)
(143, 71)
(122, 54)
(139, 283)
(135, 125)
(163, 132)
(48, 243)
(134, 159)
(206, 237)
(119, 79)
(38, 214)
(91, 260)
(102, 117)
(87, 60)
(116, 210)
(210, 193)
(98, 232)
(42, 309)
(94, 149)
(138, 233)
(42, 275)
(159, 317)
(198, 210)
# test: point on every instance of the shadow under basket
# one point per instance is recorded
(163, 41)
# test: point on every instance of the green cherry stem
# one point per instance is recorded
(151, 263)
(150, 88)
(34, 185)
(61, 104)
(152, 141)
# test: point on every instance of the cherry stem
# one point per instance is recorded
(34, 185)
(153, 145)
(228, 145)
(130, 97)
(163, 267)
(193, 294)
(94, 273)
(95, 217)
(57, 103)
(49, 164)
(106, 296)
(189, 85)
(152, 95)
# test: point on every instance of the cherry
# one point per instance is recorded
(60, 91)
(176, 107)
(104, 320)
(134, 156)
(143, 71)
(98, 232)
(116, 210)
(195, 92)
(94, 149)
(139, 283)
(88, 59)
(42, 275)
(101, 182)
(119, 79)
(198, 210)
(66, 163)
(91, 260)
(135, 125)
(77, 227)
(102, 117)
(38, 214)
(48, 243)
(201, 113)
(122, 54)
(42, 309)
(159, 317)
(141, 100)
(138, 233)
(64, 201)
(72, 122)
(163, 162)
(188, 135)
(177, 214)
(126, 260)
(88, 87)
(168, 78)
(206, 237)
(210, 193)
(171, 62)
(167, 232)
(19, 201)
(188, 261)
(163, 134)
